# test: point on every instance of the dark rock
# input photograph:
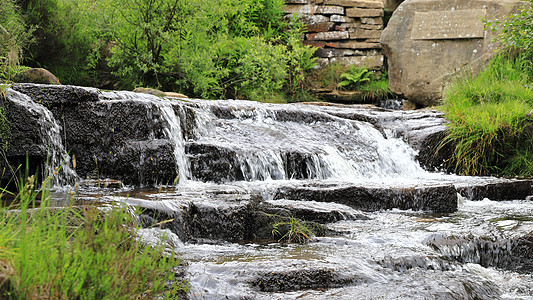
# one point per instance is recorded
(53, 96)
(434, 198)
(233, 218)
(299, 279)
(125, 141)
(501, 190)
(510, 253)
(36, 75)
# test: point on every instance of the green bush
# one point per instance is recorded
(209, 49)
(69, 39)
(14, 37)
(489, 127)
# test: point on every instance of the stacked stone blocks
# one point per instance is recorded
(346, 31)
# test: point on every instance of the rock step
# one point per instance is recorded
(439, 199)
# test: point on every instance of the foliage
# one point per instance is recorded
(356, 76)
(292, 229)
(14, 37)
(372, 85)
(77, 253)
(69, 38)
(210, 49)
(489, 127)
(516, 31)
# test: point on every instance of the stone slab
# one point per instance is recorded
(452, 24)
(441, 199)
(313, 9)
(364, 12)
(320, 27)
(354, 45)
(365, 34)
(328, 36)
(356, 3)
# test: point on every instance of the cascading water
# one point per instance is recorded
(59, 163)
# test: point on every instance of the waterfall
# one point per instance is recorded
(282, 142)
(58, 162)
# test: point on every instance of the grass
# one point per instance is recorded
(292, 229)
(78, 253)
(489, 127)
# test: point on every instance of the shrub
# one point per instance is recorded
(210, 49)
(14, 37)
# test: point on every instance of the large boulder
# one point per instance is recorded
(427, 42)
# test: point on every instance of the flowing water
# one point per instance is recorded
(59, 165)
(232, 153)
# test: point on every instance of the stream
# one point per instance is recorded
(388, 227)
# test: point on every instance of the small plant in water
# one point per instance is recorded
(292, 229)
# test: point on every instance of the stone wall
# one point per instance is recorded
(345, 31)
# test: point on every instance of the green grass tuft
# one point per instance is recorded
(489, 126)
(78, 253)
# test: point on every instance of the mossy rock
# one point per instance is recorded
(36, 75)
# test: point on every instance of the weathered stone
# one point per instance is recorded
(408, 105)
(340, 19)
(356, 3)
(445, 25)
(175, 95)
(150, 91)
(364, 12)
(36, 75)
(298, 279)
(428, 41)
(328, 36)
(365, 34)
(318, 44)
(321, 63)
(297, 1)
(313, 19)
(329, 10)
(327, 52)
(371, 62)
(320, 27)
(123, 140)
(513, 252)
(502, 190)
(354, 45)
(372, 21)
(313, 9)
(299, 9)
(371, 27)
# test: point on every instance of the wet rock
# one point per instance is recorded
(233, 218)
(110, 138)
(434, 198)
(54, 96)
(299, 279)
(510, 253)
(501, 190)
(36, 75)
(24, 140)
